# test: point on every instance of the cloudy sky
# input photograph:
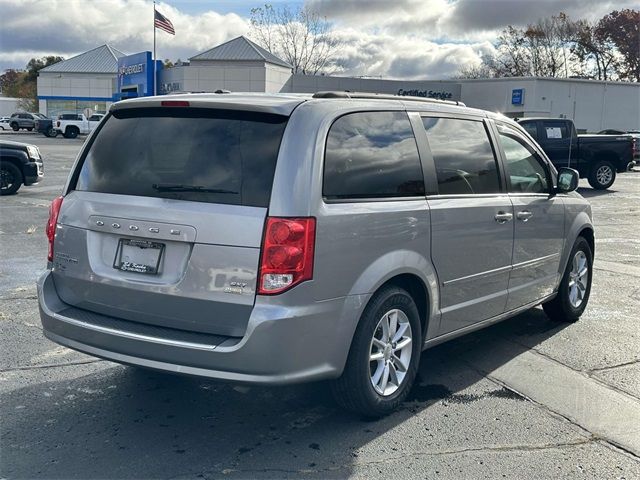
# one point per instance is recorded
(388, 38)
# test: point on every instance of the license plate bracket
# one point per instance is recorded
(138, 256)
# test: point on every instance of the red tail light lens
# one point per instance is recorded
(54, 211)
(286, 258)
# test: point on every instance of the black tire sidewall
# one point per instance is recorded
(386, 300)
(18, 178)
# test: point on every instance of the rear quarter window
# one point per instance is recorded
(463, 156)
(372, 155)
(203, 155)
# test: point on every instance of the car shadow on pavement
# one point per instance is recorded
(111, 421)
(592, 192)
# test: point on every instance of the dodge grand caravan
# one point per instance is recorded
(275, 239)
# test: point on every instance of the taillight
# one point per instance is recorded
(286, 258)
(54, 211)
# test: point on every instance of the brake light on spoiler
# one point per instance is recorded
(174, 103)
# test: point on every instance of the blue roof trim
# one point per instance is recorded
(99, 99)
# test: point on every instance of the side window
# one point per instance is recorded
(372, 154)
(524, 167)
(555, 130)
(464, 159)
(531, 129)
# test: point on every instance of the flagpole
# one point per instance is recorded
(155, 75)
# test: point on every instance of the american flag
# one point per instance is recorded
(163, 23)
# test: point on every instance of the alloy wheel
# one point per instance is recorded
(604, 174)
(390, 352)
(578, 279)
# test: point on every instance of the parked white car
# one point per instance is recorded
(73, 124)
(4, 123)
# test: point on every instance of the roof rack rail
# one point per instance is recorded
(382, 96)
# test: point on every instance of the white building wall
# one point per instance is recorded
(206, 76)
(276, 78)
(8, 106)
(592, 105)
(76, 85)
(318, 83)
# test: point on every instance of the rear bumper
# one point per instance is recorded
(282, 345)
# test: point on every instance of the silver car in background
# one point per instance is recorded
(275, 239)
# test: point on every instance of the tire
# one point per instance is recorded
(355, 390)
(602, 175)
(15, 127)
(562, 308)
(51, 132)
(29, 129)
(10, 178)
(71, 132)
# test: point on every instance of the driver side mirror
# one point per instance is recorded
(567, 180)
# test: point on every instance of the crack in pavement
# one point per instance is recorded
(50, 365)
(624, 364)
(395, 458)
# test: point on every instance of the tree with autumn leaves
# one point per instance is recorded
(22, 84)
(559, 47)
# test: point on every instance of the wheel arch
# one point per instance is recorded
(408, 270)
(580, 227)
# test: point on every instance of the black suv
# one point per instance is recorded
(20, 164)
(24, 120)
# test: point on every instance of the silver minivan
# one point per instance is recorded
(273, 239)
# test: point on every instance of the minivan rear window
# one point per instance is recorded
(202, 155)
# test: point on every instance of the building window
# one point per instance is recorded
(58, 107)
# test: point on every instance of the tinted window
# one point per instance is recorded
(531, 128)
(200, 155)
(463, 156)
(372, 154)
(69, 116)
(523, 166)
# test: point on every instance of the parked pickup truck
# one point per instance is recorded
(73, 124)
(596, 157)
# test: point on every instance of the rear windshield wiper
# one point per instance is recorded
(176, 187)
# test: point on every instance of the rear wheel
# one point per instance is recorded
(71, 132)
(602, 175)
(29, 129)
(384, 356)
(10, 179)
(575, 287)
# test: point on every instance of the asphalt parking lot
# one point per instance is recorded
(527, 398)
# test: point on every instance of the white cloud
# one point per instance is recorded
(393, 39)
(68, 27)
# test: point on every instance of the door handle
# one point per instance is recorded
(524, 215)
(503, 217)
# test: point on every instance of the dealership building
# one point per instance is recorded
(101, 76)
